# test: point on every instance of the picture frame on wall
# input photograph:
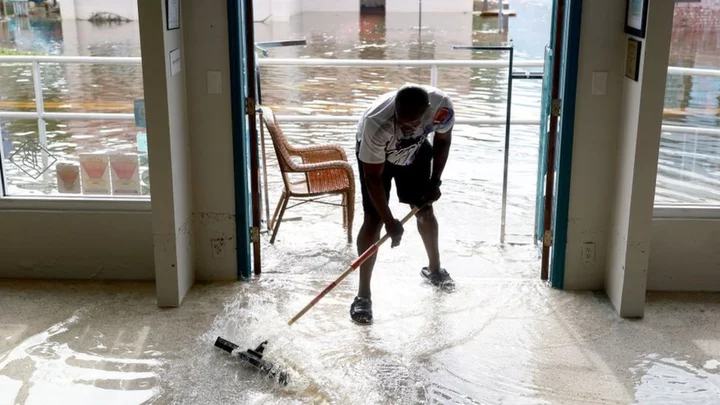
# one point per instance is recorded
(636, 17)
(172, 11)
(632, 59)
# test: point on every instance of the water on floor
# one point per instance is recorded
(496, 340)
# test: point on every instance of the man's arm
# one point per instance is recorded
(441, 151)
(376, 190)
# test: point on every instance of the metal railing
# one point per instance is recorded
(434, 65)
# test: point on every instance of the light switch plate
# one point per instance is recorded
(214, 82)
(599, 83)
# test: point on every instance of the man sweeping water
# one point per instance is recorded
(392, 143)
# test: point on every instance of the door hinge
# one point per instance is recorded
(555, 108)
(547, 238)
(254, 234)
(250, 105)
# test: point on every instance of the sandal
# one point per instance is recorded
(440, 278)
(361, 311)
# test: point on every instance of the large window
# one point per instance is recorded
(689, 164)
(68, 93)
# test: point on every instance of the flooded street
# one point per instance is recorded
(688, 162)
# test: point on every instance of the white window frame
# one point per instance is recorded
(63, 202)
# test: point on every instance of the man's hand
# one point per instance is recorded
(432, 193)
(395, 229)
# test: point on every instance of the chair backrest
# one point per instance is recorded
(280, 144)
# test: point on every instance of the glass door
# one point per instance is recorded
(545, 111)
(546, 152)
(556, 139)
(243, 94)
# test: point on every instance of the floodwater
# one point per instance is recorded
(688, 162)
(493, 341)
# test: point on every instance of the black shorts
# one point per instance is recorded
(411, 181)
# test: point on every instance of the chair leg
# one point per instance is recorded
(344, 211)
(277, 209)
(350, 214)
(285, 201)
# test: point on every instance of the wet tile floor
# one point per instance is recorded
(496, 340)
(503, 337)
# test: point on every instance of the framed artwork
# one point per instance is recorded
(632, 59)
(636, 17)
(172, 11)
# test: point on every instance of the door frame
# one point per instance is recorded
(565, 134)
(243, 127)
(245, 140)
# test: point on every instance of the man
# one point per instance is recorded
(392, 143)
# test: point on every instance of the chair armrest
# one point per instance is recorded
(328, 165)
(319, 153)
(329, 176)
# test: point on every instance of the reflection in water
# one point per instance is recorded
(53, 366)
(671, 381)
(501, 338)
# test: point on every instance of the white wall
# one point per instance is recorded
(67, 9)
(595, 141)
(636, 169)
(684, 255)
(84, 9)
(210, 122)
(92, 35)
(168, 153)
(76, 245)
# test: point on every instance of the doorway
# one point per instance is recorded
(550, 200)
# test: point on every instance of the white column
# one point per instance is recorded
(67, 9)
(71, 39)
(636, 167)
(169, 155)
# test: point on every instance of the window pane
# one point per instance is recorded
(16, 82)
(689, 164)
(80, 157)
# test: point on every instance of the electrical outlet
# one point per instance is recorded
(588, 252)
(218, 247)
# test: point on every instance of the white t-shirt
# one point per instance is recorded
(381, 140)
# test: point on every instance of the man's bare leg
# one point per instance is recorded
(361, 308)
(429, 231)
(369, 234)
(427, 225)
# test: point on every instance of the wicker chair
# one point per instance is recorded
(325, 171)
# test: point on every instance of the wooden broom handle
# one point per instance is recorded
(353, 266)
